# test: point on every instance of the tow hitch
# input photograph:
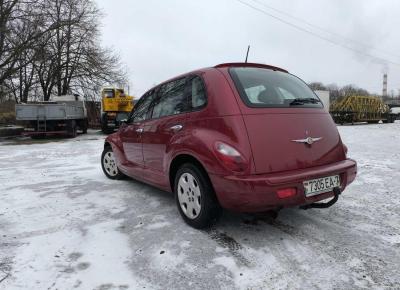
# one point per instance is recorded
(336, 192)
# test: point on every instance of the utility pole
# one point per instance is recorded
(247, 54)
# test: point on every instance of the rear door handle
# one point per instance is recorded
(139, 130)
(176, 127)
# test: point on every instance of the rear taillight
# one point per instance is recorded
(286, 192)
(230, 157)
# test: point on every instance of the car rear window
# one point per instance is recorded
(259, 87)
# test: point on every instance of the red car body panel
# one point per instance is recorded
(264, 133)
(263, 136)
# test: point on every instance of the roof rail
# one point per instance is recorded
(248, 64)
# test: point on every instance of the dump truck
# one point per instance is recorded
(61, 115)
(353, 109)
(115, 107)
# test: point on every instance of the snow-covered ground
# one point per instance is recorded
(64, 225)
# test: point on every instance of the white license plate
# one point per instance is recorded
(321, 185)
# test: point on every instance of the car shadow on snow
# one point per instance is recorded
(164, 201)
(229, 232)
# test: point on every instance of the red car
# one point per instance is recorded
(240, 136)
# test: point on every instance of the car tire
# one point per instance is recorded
(109, 164)
(195, 197)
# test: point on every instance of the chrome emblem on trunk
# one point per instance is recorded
(308, 140)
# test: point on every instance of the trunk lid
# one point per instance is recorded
(271, 136)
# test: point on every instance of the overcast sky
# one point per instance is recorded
(158, 39)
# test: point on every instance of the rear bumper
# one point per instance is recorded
(256, 193)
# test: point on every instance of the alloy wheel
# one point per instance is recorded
(189, 195)
(109, 164)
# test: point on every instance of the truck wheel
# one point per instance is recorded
(85, 126)
(109, 164)
(72, 130)
(104, 124)
(105, 129)
(195, 197)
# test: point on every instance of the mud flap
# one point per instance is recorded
(336, 192)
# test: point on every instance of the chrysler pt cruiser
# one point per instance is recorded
(240, 136)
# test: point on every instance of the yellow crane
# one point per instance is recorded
(115, 107)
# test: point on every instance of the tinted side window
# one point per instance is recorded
(197, 93)
(141, 109)
(172, 99)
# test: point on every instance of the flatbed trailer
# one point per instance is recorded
(345, 117)
(64, 115)
(354, 109)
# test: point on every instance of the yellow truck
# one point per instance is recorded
(115, 107)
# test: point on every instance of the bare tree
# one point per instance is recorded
(73, 60)
(317, 86)
(54, 46)
(21, 25)
(338, 92)
(352, 90)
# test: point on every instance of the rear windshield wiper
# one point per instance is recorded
(301, 101)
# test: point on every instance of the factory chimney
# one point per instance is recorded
(384, 91)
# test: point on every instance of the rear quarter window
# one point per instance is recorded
(197, 93)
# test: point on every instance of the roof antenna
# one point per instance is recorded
(247, 54)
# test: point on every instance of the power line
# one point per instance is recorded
(380, 59)
(325, 30)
